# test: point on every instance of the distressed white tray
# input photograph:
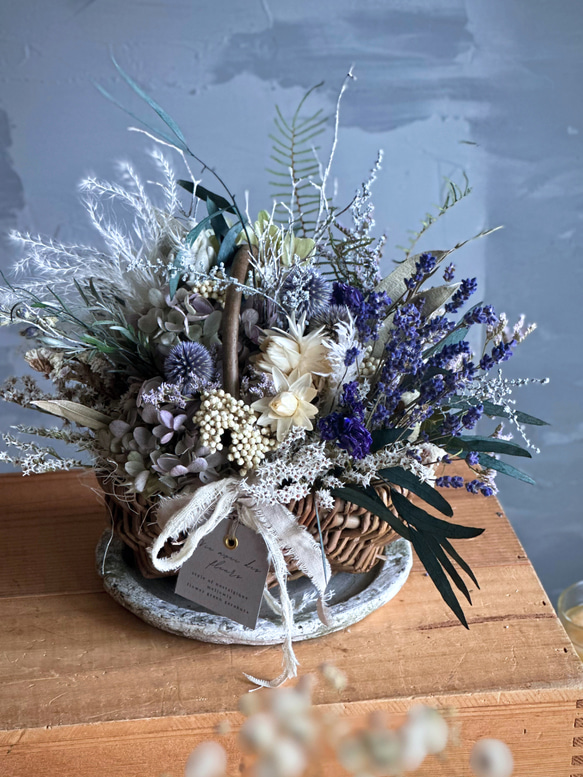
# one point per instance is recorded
(352, 598)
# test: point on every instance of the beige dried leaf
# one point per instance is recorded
(73, 411)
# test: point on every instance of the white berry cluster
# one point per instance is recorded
(369, 364)
(210, 288)
(219, 412)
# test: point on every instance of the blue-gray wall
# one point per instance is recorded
(492, 87)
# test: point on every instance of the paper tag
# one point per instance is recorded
(227, 582)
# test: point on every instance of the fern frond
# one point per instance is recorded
(295, 154)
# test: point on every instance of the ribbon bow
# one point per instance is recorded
(199, 513)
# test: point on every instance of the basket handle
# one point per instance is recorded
(230, 322)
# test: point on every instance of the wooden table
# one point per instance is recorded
(89, 690)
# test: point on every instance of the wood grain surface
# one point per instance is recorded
(84, 682)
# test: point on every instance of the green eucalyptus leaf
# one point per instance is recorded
(168, 120)
(394, 283)
(218, 223)
(502, 466)
(229, 245)
(435, 297)
(73, 411)
(203, 194)
(402, 477)
(448, 547)
(153, 130)
(490, 445)
(523, 418)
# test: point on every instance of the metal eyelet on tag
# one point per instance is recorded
(230, 540)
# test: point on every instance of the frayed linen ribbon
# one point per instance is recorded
(199, 513)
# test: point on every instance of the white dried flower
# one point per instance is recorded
(413, 748)
(294, 351)
(335, 677)
(201, 255)
(285, 759)
(259, 733)
(491, 758)
(291, 406)
(433, 725)
(207, 760)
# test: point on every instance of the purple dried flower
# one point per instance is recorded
(482, 314)
(473, 458)
(500, 353)
(467, 287)
(350, 433)
(472, 416)
(449, 481)
(423, 266)
(449, 273)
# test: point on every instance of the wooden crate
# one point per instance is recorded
(88, 689)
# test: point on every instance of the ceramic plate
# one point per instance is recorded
(352, 598)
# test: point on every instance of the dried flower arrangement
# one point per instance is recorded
(217, 363)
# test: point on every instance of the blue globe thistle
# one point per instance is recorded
(189, 365)
(331, 316)
(304, 291)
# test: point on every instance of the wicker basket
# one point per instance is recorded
(353, 538)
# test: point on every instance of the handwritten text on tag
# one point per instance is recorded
(227, 581)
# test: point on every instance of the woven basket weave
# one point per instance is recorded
(353, 538)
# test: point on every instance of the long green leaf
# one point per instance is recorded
(168, 120)
(203, 194)
(383, 437)
(449, 568)
(219, 225)
(406, 479)
(153, 130)
(424, 522)
(448, 547)
(502, 466)
(523, 418)
(373, 504)
(229, 244)
(436, 573)
(491, 445)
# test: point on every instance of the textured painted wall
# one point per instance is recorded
(491, 87)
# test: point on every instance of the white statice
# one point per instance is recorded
(421, 460)
(292, 474)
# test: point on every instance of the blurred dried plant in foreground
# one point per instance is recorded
(283, 735)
